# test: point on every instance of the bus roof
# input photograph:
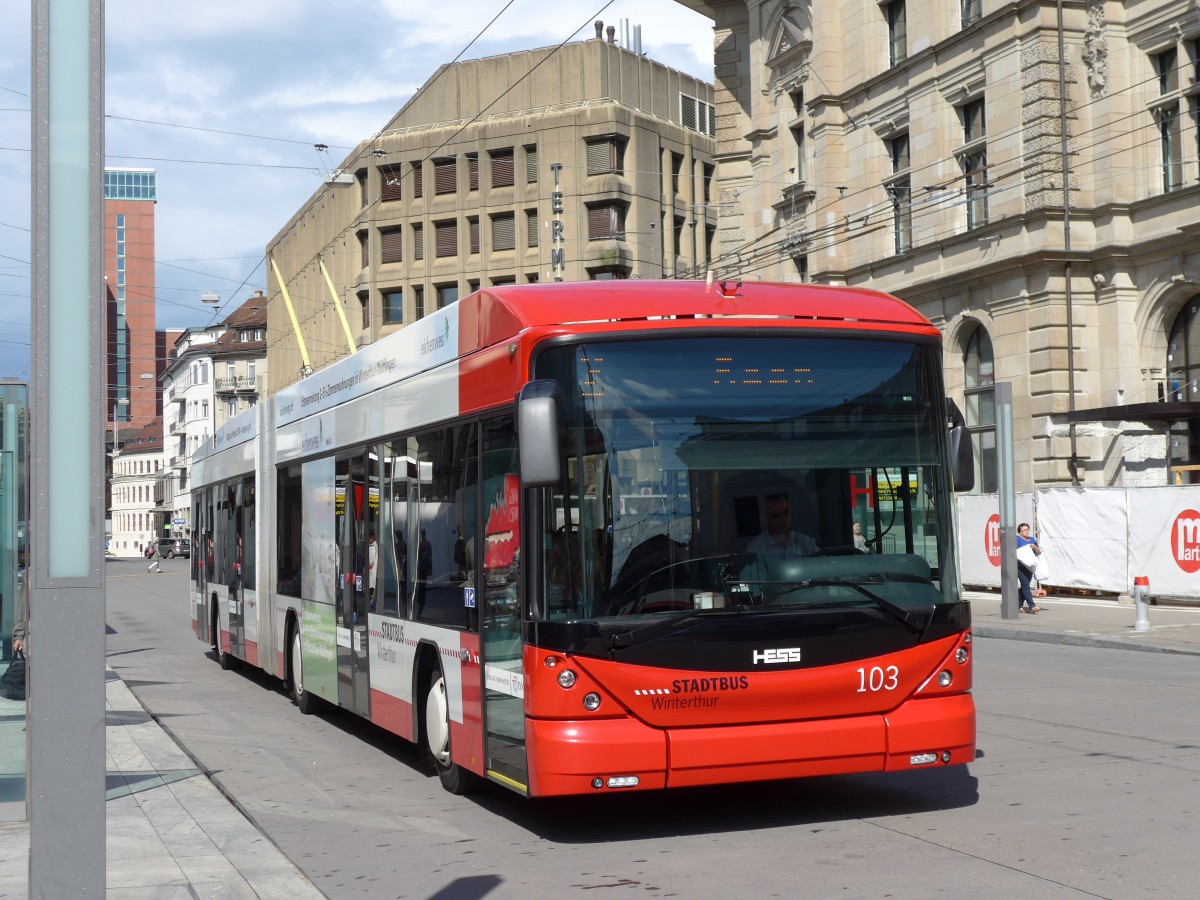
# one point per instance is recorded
(567, 303)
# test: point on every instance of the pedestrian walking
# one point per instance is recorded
(1028, 552)
(153, 567)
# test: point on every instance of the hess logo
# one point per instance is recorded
(991, 539)
(776, 655)
(1185, 540)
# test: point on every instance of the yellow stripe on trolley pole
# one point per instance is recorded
(337, 304)
(287, 300)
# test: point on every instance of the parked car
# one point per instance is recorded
(169, 548)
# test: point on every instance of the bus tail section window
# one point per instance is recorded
(290, 522)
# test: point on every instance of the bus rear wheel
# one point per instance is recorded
(305, 702)
(224, 660)
(454, 778)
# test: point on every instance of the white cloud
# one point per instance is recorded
(299, 71)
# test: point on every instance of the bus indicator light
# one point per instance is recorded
(922, 759)
(623, 781)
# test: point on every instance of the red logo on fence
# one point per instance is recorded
(991, 539)
(1185, 540)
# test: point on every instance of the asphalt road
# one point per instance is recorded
(1087, 784)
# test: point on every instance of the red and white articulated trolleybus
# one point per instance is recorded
(625, 535)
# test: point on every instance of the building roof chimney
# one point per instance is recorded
(612, 34)
(599, 29)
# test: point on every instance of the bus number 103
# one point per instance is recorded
(878, 678)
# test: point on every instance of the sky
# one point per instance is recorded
(227, 99)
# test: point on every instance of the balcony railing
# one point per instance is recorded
(239, 383)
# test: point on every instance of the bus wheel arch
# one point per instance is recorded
(433, 724)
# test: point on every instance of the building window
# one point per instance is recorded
(899, 190)
(709, 172)
(802, 268)
(504, 279)
(531, 164)
(980, 396)
(972, 12)
(446, 294)
(504, 232)
(231, 407)
(418, 179)
(1183, 385)
(418, 241)
(364, 304)
(502, 167)
(445, 236)
(798, 141)
(391, 245)
(1169, 142)
(973, 160)
(389, 184)
(676, 169)
(1167, 70)
(473, 231)
(532, 228)
(251, 367)
(974, 167)
(606, 156)
(897, 21)
(418, 301)
(606, 221)
(608, 273)
(393, 307)
(445, 176)
(697, 115)
(364, 250)
(472, 171)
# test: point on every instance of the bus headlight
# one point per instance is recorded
(961, 655)
(566, 679)
(591, 702)
(944, 678)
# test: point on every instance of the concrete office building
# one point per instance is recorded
(919, 149)
(560, 164)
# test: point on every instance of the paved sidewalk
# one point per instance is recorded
(170, 831)
(1090, 622)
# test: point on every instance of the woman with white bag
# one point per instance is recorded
(1028, 559)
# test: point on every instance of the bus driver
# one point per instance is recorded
(776, 542)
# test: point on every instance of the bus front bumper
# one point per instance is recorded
(587, 756)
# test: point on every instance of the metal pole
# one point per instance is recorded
(66, 602)
(1006, 489)
(1073, 462)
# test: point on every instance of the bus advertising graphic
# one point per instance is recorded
(581, 538)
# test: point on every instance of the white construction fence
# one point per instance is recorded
(1093, 538)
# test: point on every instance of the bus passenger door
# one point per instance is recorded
(502, 607)
(231, 536)
(352, 517)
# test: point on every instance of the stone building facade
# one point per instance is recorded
(919, 148)
(585, 161)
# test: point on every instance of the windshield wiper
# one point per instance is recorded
(625, 639)
(915, 620)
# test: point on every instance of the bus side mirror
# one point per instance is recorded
(962, 458)
(537, 433)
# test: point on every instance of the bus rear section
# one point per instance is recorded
(745, 570)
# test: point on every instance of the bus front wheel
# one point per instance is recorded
(305, 702)
(454, 778)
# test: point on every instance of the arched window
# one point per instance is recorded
(979, 374)
(1183, 385)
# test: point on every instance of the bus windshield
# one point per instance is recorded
(736, 471)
